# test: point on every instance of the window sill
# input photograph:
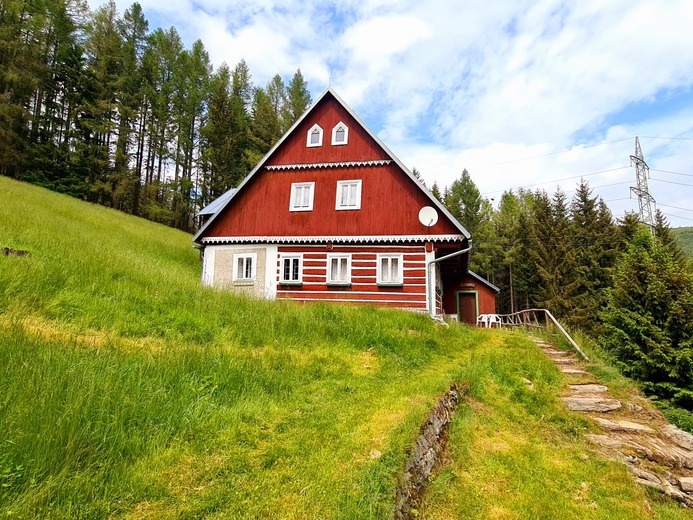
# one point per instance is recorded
(339, 284)
(243, 282)
(390, 284)
(290, 284)
(348, 208)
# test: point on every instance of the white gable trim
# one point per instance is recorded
(313, 166)
(334, 239)
(359, 121)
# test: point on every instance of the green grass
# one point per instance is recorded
(129, 391)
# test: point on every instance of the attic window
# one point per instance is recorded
(340, 134)
(314, 136)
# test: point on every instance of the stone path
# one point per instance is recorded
(658, 454)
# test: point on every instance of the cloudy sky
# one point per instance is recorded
(528, 94)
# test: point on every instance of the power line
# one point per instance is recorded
(675, 207)
(677, 216)
(672, 182)
(558, 180)
(580, 147)
(669, 138)
(673, 173)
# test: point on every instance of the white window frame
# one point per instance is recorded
(381, 278)
(347, 185)
(334, 134)
(244, 257)
(339, 258)
(297, 200)
(309, 142)
(291, 257)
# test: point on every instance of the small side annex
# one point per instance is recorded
(330, 214)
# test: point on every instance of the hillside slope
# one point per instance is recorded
(684, 236)
(129, 391)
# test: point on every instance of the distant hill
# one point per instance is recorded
(684, 235)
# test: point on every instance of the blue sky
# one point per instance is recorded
(521, 93)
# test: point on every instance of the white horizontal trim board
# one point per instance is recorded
(332, 289)
(354, 300)
(334, 239)
(315, 166)
(338, 291)
(378, 246)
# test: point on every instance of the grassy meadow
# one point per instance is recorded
(129, 391)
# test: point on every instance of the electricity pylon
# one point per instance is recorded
(645, 201)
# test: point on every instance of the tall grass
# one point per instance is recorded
(128, 390)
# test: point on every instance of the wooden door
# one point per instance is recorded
(467, 307)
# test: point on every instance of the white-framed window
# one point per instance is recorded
(244, 267)
(390, 270)
(314, 137)
(348, 194)
(291, 269)
(339, 269)
(340, 134)
(302, 196)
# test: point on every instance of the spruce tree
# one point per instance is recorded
(297, 100)
(648, 321)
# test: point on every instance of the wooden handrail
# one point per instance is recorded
(529, 318)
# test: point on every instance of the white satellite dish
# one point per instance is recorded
(428, 216)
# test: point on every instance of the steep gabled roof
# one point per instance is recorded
(219, 207)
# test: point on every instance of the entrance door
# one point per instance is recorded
(467, 307)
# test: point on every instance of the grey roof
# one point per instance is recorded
(216, 204)
(260, 164)
(484, 281)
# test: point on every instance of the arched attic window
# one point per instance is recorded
(314, 137)
(340, 134)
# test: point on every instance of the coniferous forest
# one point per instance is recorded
(94, 104)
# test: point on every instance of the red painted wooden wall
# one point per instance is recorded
(485, 294)
(363, 289)
(390, 200)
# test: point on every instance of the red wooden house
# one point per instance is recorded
(330, 214)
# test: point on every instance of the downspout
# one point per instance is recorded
(429, 266)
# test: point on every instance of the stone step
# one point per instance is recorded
(569, 370)
(587, 389)
(677, 436)
(591, 404)
(623, 426)
(564, 360)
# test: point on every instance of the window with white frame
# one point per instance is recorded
(339, 269)
(340, 134)
(348, 194)
(390, 270)
(291, 267)
(302, 196)
(314, 137)
(244, 265)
